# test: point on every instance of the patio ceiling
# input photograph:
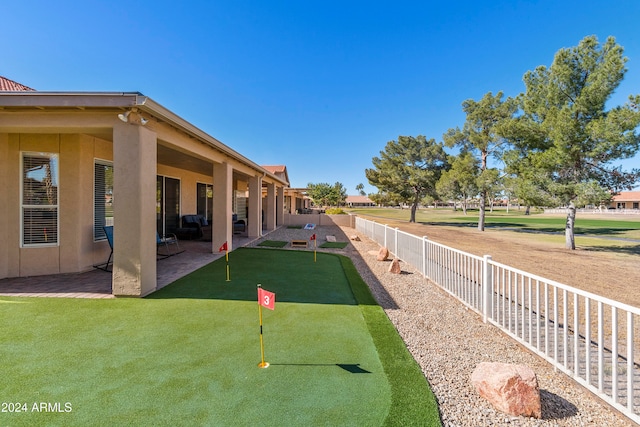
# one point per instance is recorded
(170, 157)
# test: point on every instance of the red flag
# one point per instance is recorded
(313, 237)
(223, 248)
(266, 299)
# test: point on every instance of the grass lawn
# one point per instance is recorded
(188, 354)
(586, 224)
(273, 243)
(334, 245)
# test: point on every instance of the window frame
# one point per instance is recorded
(24, 206)
(98, 232)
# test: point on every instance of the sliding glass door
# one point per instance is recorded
(205, 201)
(167, 204)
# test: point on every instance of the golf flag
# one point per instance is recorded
(224, 248)
(313, 237)
(315, 245)
(267, 299)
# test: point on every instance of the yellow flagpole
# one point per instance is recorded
(315, 246)
(227, 258)
(262, 363)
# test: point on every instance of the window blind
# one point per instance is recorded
(103, 198)
(39, 199)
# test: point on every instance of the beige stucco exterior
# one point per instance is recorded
(84, 128)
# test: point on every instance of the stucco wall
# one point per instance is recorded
(320, 219)
(4, 205)
(188, 186)
(76, 250)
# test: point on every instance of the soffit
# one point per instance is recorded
(178, 159)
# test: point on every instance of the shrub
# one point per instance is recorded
(335, 211)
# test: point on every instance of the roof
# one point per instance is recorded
(118, 101)
(278, 170)
(627, 196)
(8, 85)
(358, 199)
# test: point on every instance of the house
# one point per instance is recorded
(358, 201)
(71, 163)
(295, 199)
(626, 200)
(9, 85)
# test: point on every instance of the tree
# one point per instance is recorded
(572, 140)
(460, 182)
(491, 181)
(531, 185)
(360, 189)
(324, 194)
(382, 198)
(409, 168)
(480, 134)
(339, 194)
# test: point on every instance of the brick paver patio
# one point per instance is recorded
(97, 283)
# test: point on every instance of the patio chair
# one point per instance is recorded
(198, 223)
(238, 224)
(108, 231)
(165, 241)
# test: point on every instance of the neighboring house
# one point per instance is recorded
(359, 201)
(9, 85)
(295, 199)
(71, 163)
(626, 200)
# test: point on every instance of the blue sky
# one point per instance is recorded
(318, 86)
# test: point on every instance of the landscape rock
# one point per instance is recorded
(395, 266)
(355, 238)
(512, 389)
(383, 254)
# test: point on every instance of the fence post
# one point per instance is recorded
(424, 256)
(385, 235)
(395, 252)
(487, 289)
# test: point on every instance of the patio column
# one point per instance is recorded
(4, 206)
(279, 206)
(270, 207)
(222, 206)
(254, 226)
(134, 210)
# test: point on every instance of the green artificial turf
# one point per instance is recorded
(188, 354)
(273, 243)
(334, 245)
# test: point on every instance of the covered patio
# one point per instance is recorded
(98, 284)
(72, 163)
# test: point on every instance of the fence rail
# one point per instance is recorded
(586, 336)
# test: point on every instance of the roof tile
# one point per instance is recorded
(8, 85)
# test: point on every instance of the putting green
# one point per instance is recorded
(188, 353)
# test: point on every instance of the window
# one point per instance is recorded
(205, 201)
(102, 198)
(39, 202)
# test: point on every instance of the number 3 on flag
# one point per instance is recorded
(266, 299)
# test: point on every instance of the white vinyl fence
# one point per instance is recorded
(586, 336)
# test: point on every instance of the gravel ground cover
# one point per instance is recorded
(448, 341)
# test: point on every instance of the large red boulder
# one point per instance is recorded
(395, 266)
(512, 389)
(383, 254)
